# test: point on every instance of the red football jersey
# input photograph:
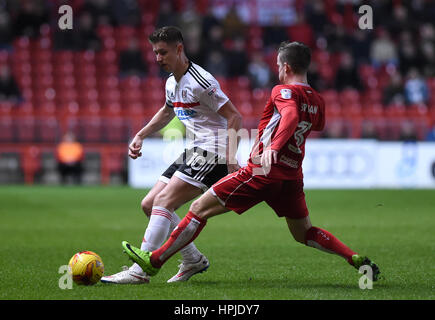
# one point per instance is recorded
(291, 112)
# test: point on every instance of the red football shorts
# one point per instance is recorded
(241, 191)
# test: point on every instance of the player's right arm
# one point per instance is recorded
(287, 108)
(158, 122)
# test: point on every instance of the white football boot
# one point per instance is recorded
(188, 270)
(126, 276)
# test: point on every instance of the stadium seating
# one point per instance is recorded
(82, 91)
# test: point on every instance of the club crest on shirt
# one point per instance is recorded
(170, 94)
(212, 91)
(286, 93)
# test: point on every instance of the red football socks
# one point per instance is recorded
(186, 231)
(325, 241)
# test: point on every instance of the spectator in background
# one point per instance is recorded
(428, 59)
(209, 21)
(383, 50)
(237, 59)
(368, 130)
(233, 25)
(166, 15)
(195, 50)
(407, 131)
(9, 90)
(316, 16)
(427, 32)
(70, 155)
(259, 72)
(338, 39)
(360, 46)
(30, 17)
(6, 34)
(100, 11)
(394, 91)
(409, 57)
(216, 64)
(347, 74)
(125, 12)
(416, 89)
(214, 40)
(400, 20)
(85, 36)
(274, 34)
(315, 81)
(190, 22)
(131, 61)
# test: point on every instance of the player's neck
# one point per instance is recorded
(295, 79)
(181, 68)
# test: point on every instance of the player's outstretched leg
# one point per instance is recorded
(193, 261)
(324, 240)
(187, 230)
(151, 262)
(321, 239)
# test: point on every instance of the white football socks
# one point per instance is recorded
(156, 232)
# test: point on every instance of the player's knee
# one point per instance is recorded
(147, 206)
(197, 208)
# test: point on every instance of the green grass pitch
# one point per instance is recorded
(252, 256)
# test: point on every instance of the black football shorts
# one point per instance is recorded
(197, 167)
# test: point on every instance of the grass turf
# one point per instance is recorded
(252, 256)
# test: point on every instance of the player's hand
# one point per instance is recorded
(135, 147)
(268, 158)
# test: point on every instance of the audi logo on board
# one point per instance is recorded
(334, 164)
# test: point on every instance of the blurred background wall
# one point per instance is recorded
(92, 87)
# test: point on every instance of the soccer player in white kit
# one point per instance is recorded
(195, 97)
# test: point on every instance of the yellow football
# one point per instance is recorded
(86, 268)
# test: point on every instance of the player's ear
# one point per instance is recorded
(287, 67)
(179, 48)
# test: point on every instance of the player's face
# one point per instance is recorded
(167, 55)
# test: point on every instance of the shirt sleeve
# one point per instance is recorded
(213, 96)
(284, 101)
(286, 128)
(167, 97)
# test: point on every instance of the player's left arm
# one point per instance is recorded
(234, 123)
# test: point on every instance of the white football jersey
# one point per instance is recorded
(196, 98)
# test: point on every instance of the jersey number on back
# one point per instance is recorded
(303, 127)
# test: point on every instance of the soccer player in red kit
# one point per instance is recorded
(273, 174)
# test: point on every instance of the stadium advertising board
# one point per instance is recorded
(327, 164)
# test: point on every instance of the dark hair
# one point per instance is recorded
(168, 34)
(296, 54)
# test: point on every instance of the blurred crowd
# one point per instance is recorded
(397, 57)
